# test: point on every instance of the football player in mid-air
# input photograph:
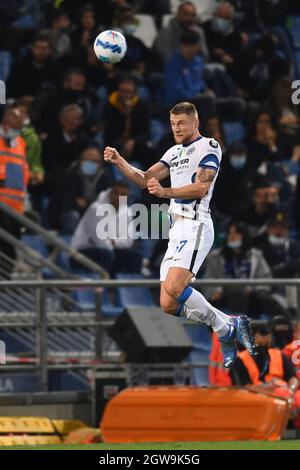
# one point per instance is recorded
(193, 165)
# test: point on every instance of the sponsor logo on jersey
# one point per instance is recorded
(179, 163)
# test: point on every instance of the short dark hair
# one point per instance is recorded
(184, 108)
(190, 37)
(42, 36)
(184, 4)
(58, 13)
(126, 78)
(73, 71)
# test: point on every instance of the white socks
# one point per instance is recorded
(196, 308)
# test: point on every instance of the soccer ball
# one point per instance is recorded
(110, 46)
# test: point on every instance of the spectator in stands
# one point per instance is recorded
(127, 120)
(33, 71)
(212, 127)
(59, 33)
(74, 90)
(225, 41)
(100, 76)
(76, 189)
(184, 72)
(135, 60)
(14, 177)
(260, 68)
(168, 39)
(237, 260)
(263, 142)
(115, 254)
(86, 29)
(270, 367)
(33, 143)
(64, 143)
(281, 253)
(264, 205)
(235, 178)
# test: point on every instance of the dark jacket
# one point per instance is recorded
(58, 154)
(70, 186)
(26, 79)
(115, 119)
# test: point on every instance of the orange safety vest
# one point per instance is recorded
(218, 375)
(14, 174)
(275, 367)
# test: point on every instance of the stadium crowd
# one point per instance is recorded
(235, 61)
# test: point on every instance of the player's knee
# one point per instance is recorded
(168, 307)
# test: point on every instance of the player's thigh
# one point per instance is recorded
(176, 281)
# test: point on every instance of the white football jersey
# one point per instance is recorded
(183, 161)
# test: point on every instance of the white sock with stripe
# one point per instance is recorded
(198, 309)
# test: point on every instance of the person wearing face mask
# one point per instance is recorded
(281, 253)
(236, 259)
(225, 41)
(270, 370)
(76, 189)
(14, 177)
(135, 60)
(235, 178)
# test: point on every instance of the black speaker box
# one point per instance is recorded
(149, 335)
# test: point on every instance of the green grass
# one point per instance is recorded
(236, 445)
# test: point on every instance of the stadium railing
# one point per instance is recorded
(43, 287)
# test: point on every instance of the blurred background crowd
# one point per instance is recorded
(236, 61)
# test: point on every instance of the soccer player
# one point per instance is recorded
(193, 165)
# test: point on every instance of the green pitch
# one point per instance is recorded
(237, 445)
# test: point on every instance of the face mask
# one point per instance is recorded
(221, 25)
(238, 162)
(276, 241)
(89, 168)
(234, 244)
(129, 29)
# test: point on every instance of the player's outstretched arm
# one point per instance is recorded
(137, 176)
(199, 189)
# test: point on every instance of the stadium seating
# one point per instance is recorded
(234, 131)
(134, 296)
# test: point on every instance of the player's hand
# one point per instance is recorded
(155, 188)
(111, 155)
